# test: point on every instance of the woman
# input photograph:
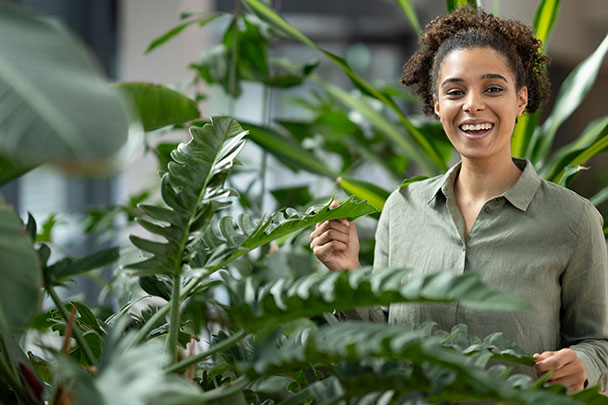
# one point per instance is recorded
(492, 214)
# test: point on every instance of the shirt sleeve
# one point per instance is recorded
(584, 314)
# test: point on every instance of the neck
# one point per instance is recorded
(482, 179)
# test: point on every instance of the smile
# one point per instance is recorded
(476, 130)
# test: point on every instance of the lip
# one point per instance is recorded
(480, 135)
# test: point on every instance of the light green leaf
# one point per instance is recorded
(454, 4)
(268, 15)
(201, 20)
(363, 190)
(283, 299)
(20, 289)
(571, 94)
(410, 13)
(54, 104)
(288, 151)
(159, 106)
(600, 197)
(521, 141)
(546, 15)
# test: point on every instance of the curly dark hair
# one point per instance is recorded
(467, 28)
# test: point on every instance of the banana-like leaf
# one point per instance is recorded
(454, 4)
(593, 141)
(193, 182)
(54, 104)
(159, 106)
(571, 94)
(410, 13)
(201, 20)
(268, 15)
(363, 190)
(285, 299)
(394, 134)
(287, 150)
(21, 284)
(546, 15)
(215, 251)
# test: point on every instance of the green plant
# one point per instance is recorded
(271, 338)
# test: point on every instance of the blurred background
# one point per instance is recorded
(373, 36)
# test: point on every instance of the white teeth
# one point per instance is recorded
(478, 127)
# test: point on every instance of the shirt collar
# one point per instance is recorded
(519, 195)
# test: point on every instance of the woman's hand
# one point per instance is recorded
(567, 368)
(336, 243)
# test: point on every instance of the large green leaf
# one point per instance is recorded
(268, 15)
(287, 150)
(571, 94)
(521, 141)
(20, 289)
(215, 251)
(363, 190)
(546, 15)
(159, 106)
(284, 299)
(68, 267)
(54, 104)
(11, 169)
(193, 182)
(410, 13)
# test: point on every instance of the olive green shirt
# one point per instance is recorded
(539, 241)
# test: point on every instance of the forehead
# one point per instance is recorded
(473, 63)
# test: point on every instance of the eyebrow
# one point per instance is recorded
(485, 76)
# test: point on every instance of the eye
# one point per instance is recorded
(454, 93)
(494, 90)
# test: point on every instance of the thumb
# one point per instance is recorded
(334, 205)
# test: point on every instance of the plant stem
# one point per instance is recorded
(225, 390)
(235, 46)
(212, 350)
(77, 334)
(172, 340)
(13, 381)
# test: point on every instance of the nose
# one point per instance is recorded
(473, 102)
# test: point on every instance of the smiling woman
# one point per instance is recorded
(491, 214)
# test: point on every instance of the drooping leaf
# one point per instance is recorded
(194, 181)
(68, 267)
(20, 272)
(285, 299)
(215, 251)
(159, 106)
(54, 104)
(410, 13)
(287, 151)
(411, 180)
(570, 95)
(201, 20)
(269, 16)
(544, 19)
(363, 190)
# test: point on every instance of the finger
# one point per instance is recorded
(554, 360)
(325, 251)
(327, 225)
(329, 236)
(566, 370)
(334, 204)
(571, 381)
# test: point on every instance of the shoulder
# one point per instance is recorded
(568, 207)
(414, 193)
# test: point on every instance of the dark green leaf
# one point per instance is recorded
(10, 169)
(363, 190)
(68, 267)
(159, 106)
(201, 20)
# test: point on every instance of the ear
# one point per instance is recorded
(522, 100)
(436, 105)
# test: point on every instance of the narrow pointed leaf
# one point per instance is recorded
(571, 94)
(287, 151)
(55, 105)
(68, 267)
(20, 272)
(159, 106)
(546, 15)
(268, 15)
(523, 133)
(363, 190)
(410, 13)
(600, 197)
